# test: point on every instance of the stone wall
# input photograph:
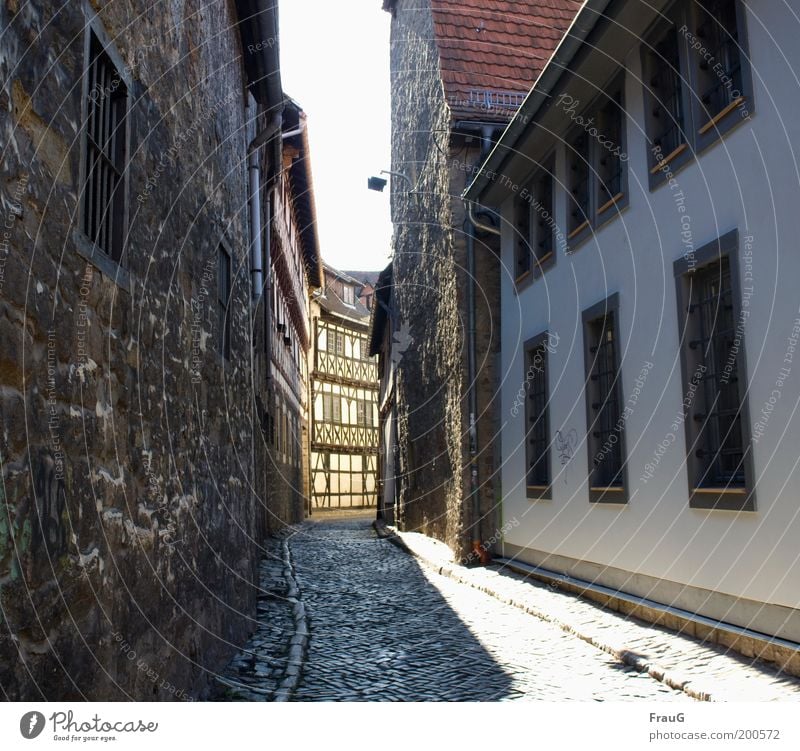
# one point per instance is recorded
(430, 279)
(126, 444)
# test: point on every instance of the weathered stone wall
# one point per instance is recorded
(430, 278)
(126, 512)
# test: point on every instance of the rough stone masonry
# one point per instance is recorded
(431, 280)
(126, 518)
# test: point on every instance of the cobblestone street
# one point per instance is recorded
(383, 628)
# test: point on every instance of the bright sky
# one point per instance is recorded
(335, 64)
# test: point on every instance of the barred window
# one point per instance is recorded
(609, 161)
(604, 407)
(104, 192)
(665, 111)
(536, 418)
(579, 183)
(596, 163)
(713, 343)
(697, 80)
(720, 73)
(543, 220)
(522, 238)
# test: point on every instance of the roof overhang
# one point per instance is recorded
(302, 184)
(380, 317)
(258, 29)
(604, 35)
(483, 187)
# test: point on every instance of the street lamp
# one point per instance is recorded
(379, 183)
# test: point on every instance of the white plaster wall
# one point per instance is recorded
(750, 181)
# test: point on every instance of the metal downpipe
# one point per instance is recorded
(254, 172)
(479, 549)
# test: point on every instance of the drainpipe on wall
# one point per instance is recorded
(260, 266)
(254, 169)
(479, 550)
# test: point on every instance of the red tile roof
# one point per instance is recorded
(492, 51)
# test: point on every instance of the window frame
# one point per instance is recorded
(537, 491)
(737, 498)
(672, 18)
(589, 317)
(538, 264)
(115, 269)
(349, 291)
(699, 132)
(708, 130)
(598, 213)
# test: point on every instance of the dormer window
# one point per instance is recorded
(348, 295)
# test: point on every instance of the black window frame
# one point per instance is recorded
(595, 319)
(113, 261)
(700, 129)
(537, 417)
(599, 209)
(704, 492)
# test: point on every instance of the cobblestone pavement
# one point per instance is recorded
(699, 668)
(256, 672)
(383, 628)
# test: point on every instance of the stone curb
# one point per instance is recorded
(670, 678)
(299, 644)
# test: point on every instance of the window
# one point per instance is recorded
(579, 183)
(331, 408)
(713, 368)
(348, 295)
(697, 80)
(596, 158)
(364, 412)
(535, 224)
(542, 222)
(665, 98)
(223, 301)
(105, 155)
(719, 74)
(609, 158)
(537, 427)
(336, 339)
(605, 424)
(522, 225)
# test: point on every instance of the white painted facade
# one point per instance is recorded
(725, 564)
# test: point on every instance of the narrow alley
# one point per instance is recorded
(384, 628)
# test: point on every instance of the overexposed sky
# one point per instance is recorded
(335, 64)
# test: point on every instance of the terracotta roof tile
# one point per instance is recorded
(492, 51)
